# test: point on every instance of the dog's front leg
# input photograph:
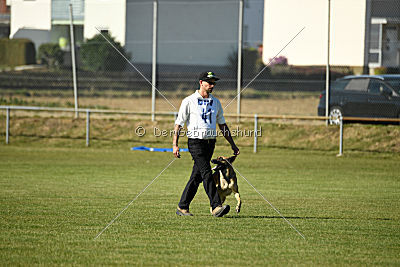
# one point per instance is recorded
(235, 190)
(223, 183)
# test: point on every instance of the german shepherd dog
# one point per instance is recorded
(225, 179)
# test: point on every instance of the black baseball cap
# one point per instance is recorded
(208, 75)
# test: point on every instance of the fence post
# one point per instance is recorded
(255, 133)
(87, 127)
(7, 125)
(341, 137)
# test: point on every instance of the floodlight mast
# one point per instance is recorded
(327, 96)
(239, 60)
(154, 61)
(73, 61)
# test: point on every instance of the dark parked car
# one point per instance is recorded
(370, 96)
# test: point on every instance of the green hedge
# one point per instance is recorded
(16, 52)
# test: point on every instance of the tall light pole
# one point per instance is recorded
(239, 66)
(327, 96)
(154, 62)
(71, 26)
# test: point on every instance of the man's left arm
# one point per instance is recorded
(227, 134)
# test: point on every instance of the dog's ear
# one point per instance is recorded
(215, 161)
(231, 159)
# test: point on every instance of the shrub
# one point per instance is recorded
(98, 55)
(50, 54)
(281, 60)
(380, 70)
(16, 52)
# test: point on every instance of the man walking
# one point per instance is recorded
(201, 111)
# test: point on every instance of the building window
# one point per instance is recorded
(375, 43)
(374, 36)
(373, 57)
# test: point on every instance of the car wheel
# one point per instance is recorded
(334, 115)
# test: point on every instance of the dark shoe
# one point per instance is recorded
(182, 212)
(221, 211)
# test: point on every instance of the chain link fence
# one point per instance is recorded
(115, 68)
(191, 37)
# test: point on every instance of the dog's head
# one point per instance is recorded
(224, 164)
(223, 160)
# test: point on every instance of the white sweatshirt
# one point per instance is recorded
(201, 116)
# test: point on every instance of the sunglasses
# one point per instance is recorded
(210, 83)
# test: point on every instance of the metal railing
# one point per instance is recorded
(147, 114)
(73, 110)
(256, 118)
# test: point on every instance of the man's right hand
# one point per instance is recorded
(235, 149)
(175, 149)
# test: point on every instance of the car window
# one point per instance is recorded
(374, 87)
(377, 87)
(386, 89)
(339, 84)
(357, 85)
(395, 83)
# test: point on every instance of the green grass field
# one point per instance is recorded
(54, 201)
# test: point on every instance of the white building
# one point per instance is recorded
(45, 21)
(362, 32)
(189, 32)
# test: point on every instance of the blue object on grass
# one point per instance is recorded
(157, 149)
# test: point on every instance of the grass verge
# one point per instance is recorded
(55, 200)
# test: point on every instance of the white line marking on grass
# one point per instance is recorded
(265, 67)
(130, 63)
(119, 214)
(280, 214)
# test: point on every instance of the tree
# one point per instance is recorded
(249, 62)
(99, 55)
(50, 54)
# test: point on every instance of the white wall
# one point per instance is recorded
(202, 33)
(348, 32)
(34, 15)
(105, 15)
(284, 18)
(253, 18)
(189, 32)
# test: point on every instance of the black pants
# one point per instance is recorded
(201, 151)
